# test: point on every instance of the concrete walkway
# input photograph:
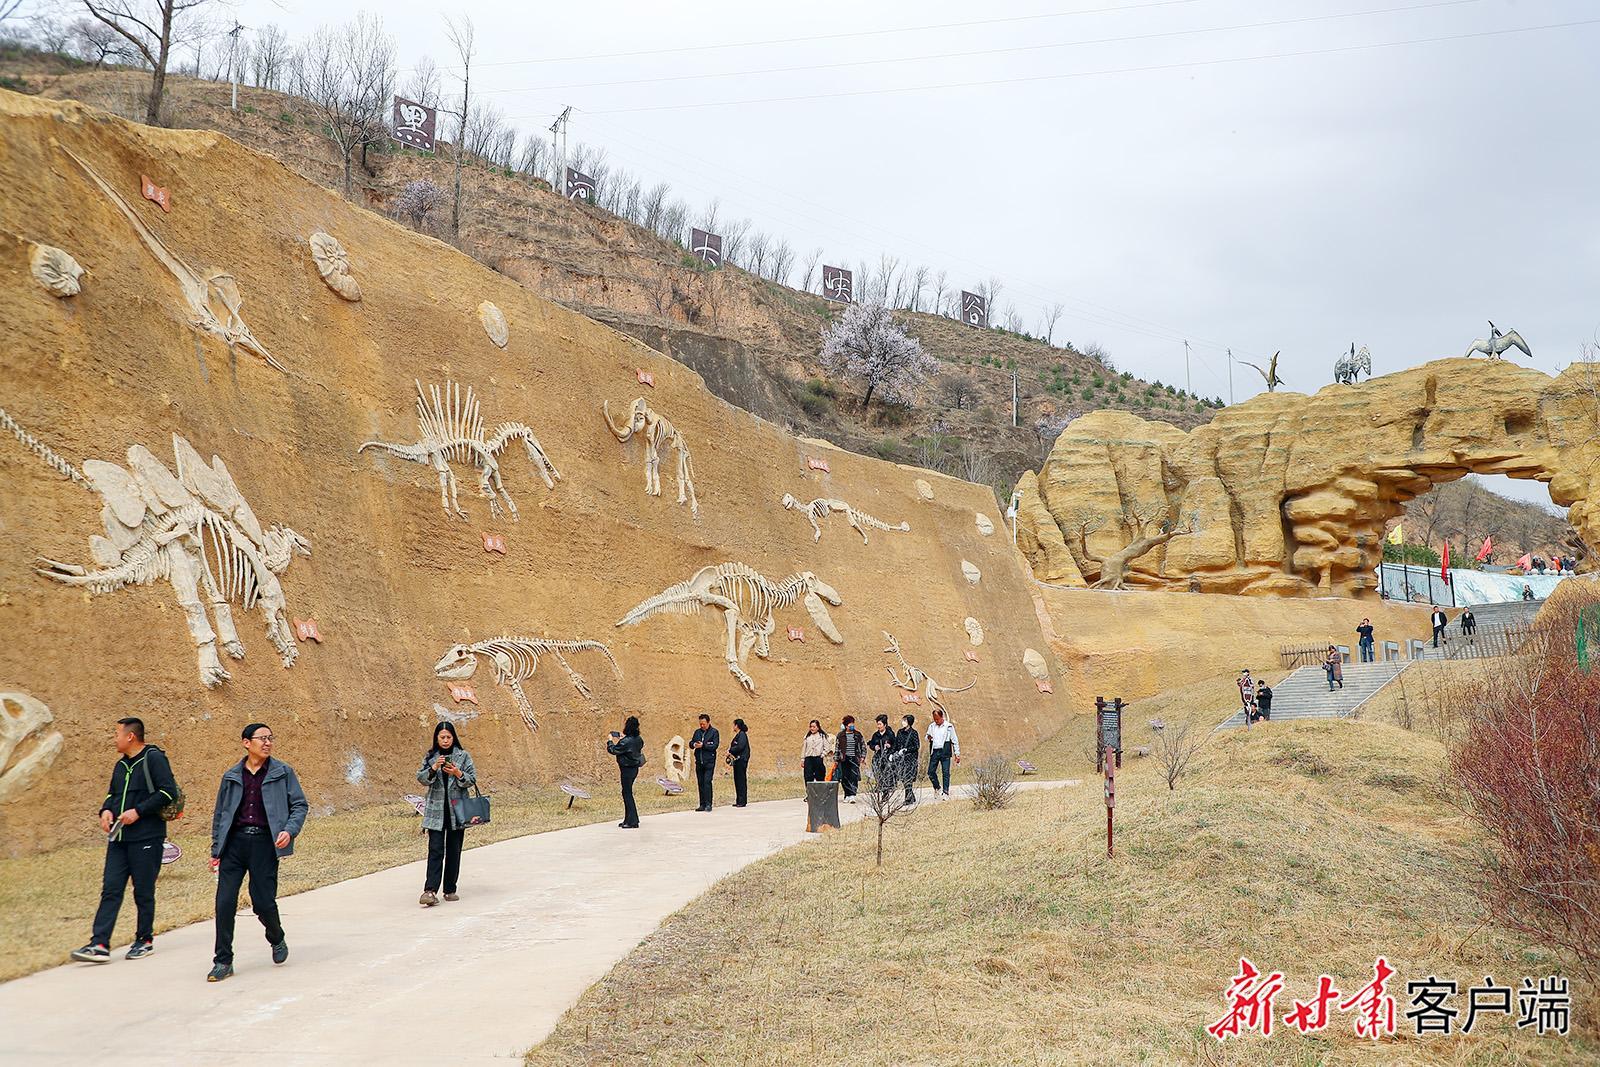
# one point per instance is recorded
(374, 978)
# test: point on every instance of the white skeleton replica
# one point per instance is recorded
(916, 679)
(450, 426)
(214, 299)
(658, 433)
(822, 507)
(515, 659)
(747, 600)
(195, 530)
(1498, 342)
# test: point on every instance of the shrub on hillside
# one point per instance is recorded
(994, 783)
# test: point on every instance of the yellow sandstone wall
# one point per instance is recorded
(392, 581)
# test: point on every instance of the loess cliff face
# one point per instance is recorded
(1289, 494)
(392, 581)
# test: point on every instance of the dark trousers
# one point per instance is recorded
(849, 776)
(1438, 632)
(939, 761)
(444, 859)
(703, 773)
(140, 861)
(815, 769)
(253, 854)
(1366, 651)
(630, 811)
(741, 784)
(907, 768)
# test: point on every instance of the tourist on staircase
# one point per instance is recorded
(1333, 666)
(1263, 703)
(1469, 623)
(1439, 620)
(1365, 632)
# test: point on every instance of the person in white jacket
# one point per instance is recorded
(943, 746)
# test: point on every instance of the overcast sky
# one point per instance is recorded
(1139, 161)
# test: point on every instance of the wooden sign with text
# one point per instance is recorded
(306, 630)
(818, 465)
(157, 194)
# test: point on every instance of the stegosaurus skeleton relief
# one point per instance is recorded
(195, 531)
(450, 426)
(515, 660)
(916, 679)
(658, 433)
(821, 507)
(747, 600)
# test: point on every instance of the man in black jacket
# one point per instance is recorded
(141, 785)
(907, 750)
(849, 748)
(704, 743)
(1438, 619)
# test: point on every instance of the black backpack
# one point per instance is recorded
(173, 809)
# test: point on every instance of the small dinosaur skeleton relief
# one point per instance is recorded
(214, 299)
(515, 659)
(747, 600)
(195, 530)
(658, 433)
(450, 426)
(821, 507)
(916, 679)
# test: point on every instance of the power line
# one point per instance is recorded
(974, 53)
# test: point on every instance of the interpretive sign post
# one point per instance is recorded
(1108, 729)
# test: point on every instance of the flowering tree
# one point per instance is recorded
(867, 344)
(417, 200)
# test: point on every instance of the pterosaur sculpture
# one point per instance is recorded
(1348, 368)
(1497, 343)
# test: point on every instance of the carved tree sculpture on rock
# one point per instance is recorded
(1149, 526)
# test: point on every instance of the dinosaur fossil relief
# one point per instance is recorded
(195, 531)
(747, 600)
(821, 507)
(18, 773)
(657, 433)
(515, 660)
(917, 680)
(56, 270)
(450, 427)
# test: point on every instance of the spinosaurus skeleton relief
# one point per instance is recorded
(747, 600)
(515, 660)
(822, 507)
(916, 679)
(194, 530)
(657, 433)
(450, 427)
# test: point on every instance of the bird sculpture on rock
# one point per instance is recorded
(1497, 343)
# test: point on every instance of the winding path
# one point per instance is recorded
(373, 978)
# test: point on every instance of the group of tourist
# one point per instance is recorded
(894, 754)
(1255, 698)
(1558, 564)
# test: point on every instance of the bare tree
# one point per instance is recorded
(1052, 315)
(867, 343)
(348, 75)
(424, 85)
(1094, 351)
(886, 796)
(1175, 749)
(973, 465)
(653, 205)
(809, 269)
(152, 28)
(990, 291)
(733, 239)
(1149, 527)
(888, 266)
(939, 284)
(535, 156)
(1013, 320)
(958, 390)
(95, 42)
(756, 254)
(484, 130)
(914, 288)
(269, 56)
(708, 219)
(782, 260)
(463, 39)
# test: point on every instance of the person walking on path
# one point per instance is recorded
(1247, 693)
(1263, 703)
(448, 773)
(849, 749)
(1365, 632)
(259, 812)
(814, 748)
(1438, 621)
(141, 785)
(881, 744)
(739, 758)
(628, 747)
(1469, 623)
(943, 746)
(704, 743)
(907, 746)
(1333, 666)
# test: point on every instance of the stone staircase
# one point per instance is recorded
(1502, 629)
(1304, 694)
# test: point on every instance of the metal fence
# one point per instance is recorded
(1415, 584)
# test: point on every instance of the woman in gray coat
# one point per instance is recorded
(448, 773)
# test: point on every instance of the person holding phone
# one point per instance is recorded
(704, 744)
(739, 760)
(448, 773)
(628, 747)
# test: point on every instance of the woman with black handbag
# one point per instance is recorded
(628, 747)
(448, 773)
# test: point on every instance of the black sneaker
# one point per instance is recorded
(140, 949)
(92, 953)
(219, 971)
(280, 951)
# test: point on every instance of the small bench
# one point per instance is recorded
(416, 802)
(670, 787)
(1026, 768)
(573, 793)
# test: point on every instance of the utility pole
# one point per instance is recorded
(1230, 377)
(558, 133)
(1188, 383)
(233, 61)
(1013, 399)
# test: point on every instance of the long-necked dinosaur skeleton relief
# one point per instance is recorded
(515, 659)
(747, 600)
(916, 679)
(822, 507)
(657, 433)
(195, 531)
(450, 427)
(213, 298)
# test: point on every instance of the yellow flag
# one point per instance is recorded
(1396, 535)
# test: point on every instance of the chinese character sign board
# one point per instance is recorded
(414, 124)
(706, 246)
(838, 284)
(580, 186)
(974, 310)
(156, 194)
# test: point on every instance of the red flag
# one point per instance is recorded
(1526, 562)
(1444, 564)
(1488, 547)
